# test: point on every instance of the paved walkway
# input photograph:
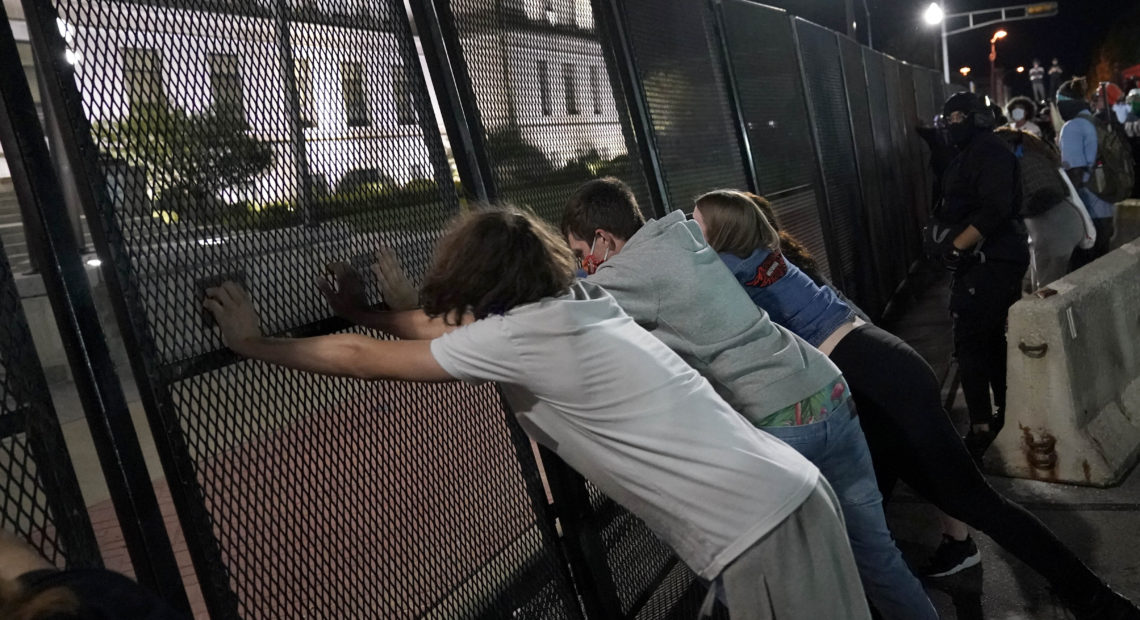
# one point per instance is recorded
(1099, 524)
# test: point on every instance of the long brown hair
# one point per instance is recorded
(493, 259)
(796, 252)
(735, 223)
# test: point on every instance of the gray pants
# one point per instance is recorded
(801, 569)
(1053, 235)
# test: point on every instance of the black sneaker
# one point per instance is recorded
(952, 556)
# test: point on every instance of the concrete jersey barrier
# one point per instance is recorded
(1073, 401)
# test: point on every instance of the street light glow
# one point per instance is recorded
(1021, 69)
(933, 14)
(1000, 34)
(964, 71)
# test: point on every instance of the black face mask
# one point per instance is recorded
(1070, 109)
(961, 133)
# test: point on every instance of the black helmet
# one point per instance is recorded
(974, 107)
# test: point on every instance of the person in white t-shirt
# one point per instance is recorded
(740, 507)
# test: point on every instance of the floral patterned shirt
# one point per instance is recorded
(814, 408)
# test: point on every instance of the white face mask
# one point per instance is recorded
(1018, 114)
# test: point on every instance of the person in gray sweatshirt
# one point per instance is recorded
(664, 275)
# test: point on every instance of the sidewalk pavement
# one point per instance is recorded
(1100, 525)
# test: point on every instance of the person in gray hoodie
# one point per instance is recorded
(664, 275)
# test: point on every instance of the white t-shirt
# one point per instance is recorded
(625, 411)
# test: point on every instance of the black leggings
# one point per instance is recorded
(911, 438)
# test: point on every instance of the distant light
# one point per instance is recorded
(965, 71)
(933, 14)
(211, 241)
(1021, 69)
(94, 262)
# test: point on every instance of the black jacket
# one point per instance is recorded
(982, 187)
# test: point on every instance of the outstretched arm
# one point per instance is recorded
(341, 355)
(345, 294)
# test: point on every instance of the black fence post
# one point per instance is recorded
(717, 8)
(65, 279)
(587, 558)
(460, 117)
(293, 113)
(609, 15)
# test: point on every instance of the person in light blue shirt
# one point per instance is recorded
(1078, 157)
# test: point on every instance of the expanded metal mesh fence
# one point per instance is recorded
(870, 179)
(763, 55)
(679, 67)
(825, 91)
(548, 104)
(916, 157)
(258, 142)
(891, 204)
(40, 499)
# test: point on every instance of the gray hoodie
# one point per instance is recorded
(672, 283)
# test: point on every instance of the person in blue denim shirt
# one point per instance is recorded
(899, 404)
(1078, 157)
(664, 275)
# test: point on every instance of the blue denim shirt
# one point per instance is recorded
(789, 296)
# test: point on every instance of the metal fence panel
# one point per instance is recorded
(679, 71)
(925, 106)
(40, 501)
(763, 54)
(924, 95)
(859, 108)
(547, 101)
(891, 204)
(914, 179)
(898, 218)
(826, 94)
(258, 142)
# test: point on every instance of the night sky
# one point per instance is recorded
(1073, 36)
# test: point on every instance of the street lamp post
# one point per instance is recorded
(936, 14)
(1000, 34)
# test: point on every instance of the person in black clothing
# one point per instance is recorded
(988, 252)
(942, 152)
(1056, 77)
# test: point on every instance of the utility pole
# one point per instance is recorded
(989, 17)
(849, 14)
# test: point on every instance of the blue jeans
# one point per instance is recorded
(837, 447)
